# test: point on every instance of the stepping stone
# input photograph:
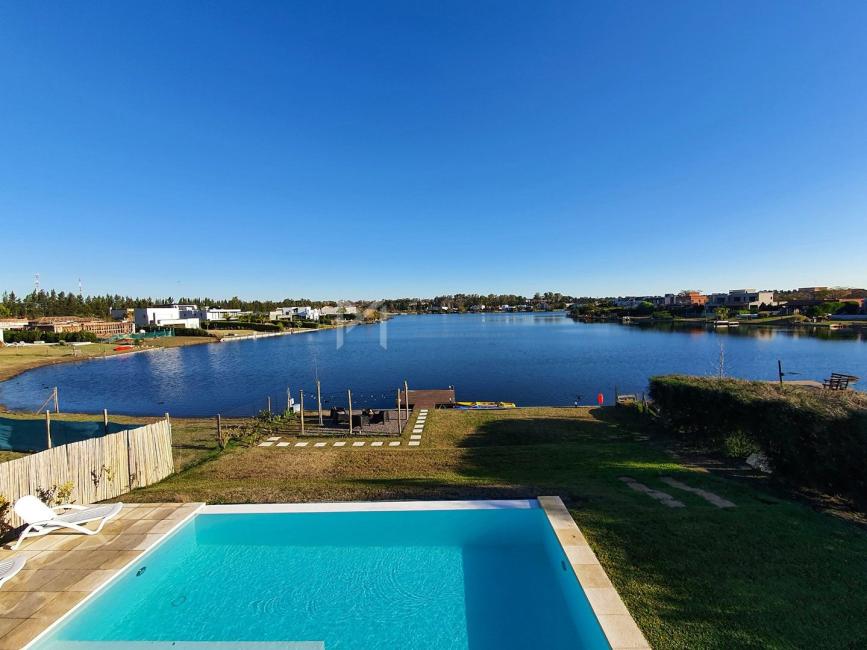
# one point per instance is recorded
(282, 444)
(319, 444)
(358, 444)
(663, 497)
(414, 443)
(710, 497)
(417, 429)
(275, 438)
(376, 444)
(394, 444)
(423, 411)
(266, 444)
(342, 443)
(300, 444)
(415, 437)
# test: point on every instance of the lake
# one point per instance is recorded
(529, 359)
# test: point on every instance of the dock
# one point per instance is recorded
(428, 399)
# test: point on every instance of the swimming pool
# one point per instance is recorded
(490, 575)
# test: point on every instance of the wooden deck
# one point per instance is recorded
(429, 398)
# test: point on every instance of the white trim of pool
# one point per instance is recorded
(368, 506)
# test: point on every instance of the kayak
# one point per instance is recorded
(484, 405)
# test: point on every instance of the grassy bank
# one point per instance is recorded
(767, 573)
(16, 359)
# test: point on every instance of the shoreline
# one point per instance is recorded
(7, 374)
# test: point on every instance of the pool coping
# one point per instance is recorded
(179, 523)
(617, 624)
(368, 506)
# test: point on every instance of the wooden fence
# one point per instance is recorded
(98, 468)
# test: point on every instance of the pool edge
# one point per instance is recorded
(368, 506)
(620, 629)
(181, 521)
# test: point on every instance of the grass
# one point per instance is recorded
(770, 573)
(17, 359)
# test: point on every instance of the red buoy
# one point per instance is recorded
(600, 398)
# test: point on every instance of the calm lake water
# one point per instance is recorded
(529, 359)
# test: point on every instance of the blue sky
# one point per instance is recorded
(366, 149)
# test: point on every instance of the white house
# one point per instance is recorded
(220, 313)
(302, 313)
(164, 317)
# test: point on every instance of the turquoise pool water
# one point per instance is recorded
(479, 579)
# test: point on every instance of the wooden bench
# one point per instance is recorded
(839, 381)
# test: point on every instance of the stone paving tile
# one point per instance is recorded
(710, 497)
(663, 497)
(22, 634)
(62, 569)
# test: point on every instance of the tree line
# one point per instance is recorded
(41, 303)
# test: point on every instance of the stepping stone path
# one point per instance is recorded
(710, 497)
(663, 497)
(418, 428)
(414, 438)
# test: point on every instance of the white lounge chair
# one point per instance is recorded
(8, 568)
(41, 519)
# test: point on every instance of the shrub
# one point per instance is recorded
(191, 331)
(239, 325)
(29, 336)
(814, 438)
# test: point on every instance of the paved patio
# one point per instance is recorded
(64, 568)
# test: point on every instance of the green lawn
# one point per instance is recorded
(769, 573)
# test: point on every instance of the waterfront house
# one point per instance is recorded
(169, 316)
(301, 313)
(341, 309)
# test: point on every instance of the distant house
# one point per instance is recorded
(220, 313)
(301, 313)
(13, 323)
(749, 298)
(101, 328)
(166, 317)
(342, 309)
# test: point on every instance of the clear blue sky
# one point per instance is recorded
(366, 149)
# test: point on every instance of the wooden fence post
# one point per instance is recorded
(105, 421)
(301, 393)
(399, 427)
(48, 428)
(349, 396)
(319, 400)
(56, 402)
(269, 405)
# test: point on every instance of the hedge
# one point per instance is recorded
(812, 437)
(29, 336)
(240, 325)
